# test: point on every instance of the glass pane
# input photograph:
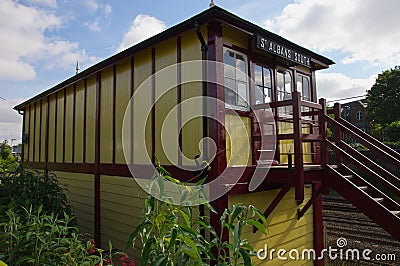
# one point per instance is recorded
(279, 82)
(242, 90)
(299, 84)
(306, 89)
(267, 95)
(288, 83)
(229, 60)
(258, 74)
(267, 78)
(241, 73)
(230, 91)
(259, 95)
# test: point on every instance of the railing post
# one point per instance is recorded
(338, 132)
(322, 131)
(298, 147)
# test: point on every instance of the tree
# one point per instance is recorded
(384, 99)
(7, 160)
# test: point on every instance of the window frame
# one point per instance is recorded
(236, 80)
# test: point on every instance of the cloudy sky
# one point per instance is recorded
(41, 40)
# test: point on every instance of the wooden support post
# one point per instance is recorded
(318, 224)
(298, 147)
(338, 132)
(322, 131)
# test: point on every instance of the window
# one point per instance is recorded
(359, 115)
(303, 86)
(284, 90)
(263, 85)
(235, 78)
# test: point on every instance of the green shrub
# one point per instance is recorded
(173, 235)
(26, 188)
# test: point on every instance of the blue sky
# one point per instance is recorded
(41, 40)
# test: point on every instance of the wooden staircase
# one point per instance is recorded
(348, 176)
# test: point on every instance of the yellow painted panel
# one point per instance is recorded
(26, 131)
(31, 131)
(287, 146)
(234, 36)
(60, 127)
(79, 122)
(238, 140)
(122, 210)
(52, 125)
(43, 135)
(123, 92)
(191, 130)
(284, 229)
(81, 195)
(106, 116)
(141, 116)
(37, 131)
(69, 130)
(166, 146)
(90, 119)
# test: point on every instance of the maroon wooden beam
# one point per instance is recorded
(338, 132)
(97, 207)
(318, 223)
(298, 147)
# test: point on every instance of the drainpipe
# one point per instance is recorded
(204, 49)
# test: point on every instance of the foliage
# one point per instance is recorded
(26, 188)
(384, 98)
(173, 234)
(7, 161)
(47, 239)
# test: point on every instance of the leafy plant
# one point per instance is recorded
(8, 163)
(172, 234)
(26, 187)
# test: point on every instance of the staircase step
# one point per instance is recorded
(348, 176)
(378, 199)
(396, 213)
(363, 188)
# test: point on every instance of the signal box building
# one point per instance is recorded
(76, 129)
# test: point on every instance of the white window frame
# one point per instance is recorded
(238, 107)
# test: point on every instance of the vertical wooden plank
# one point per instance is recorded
(69, 131)
(84, 119)
(179, 97)
(298, 147)
(78, 123)
(132, 85)
(106, 116)
(64, 120)
(97, 209)
(90, 153)
(55, 127)
(46, 159)
(34, 133)
(153, 109)
(318, 224)
(73, 122)
(40, 130)
(114, 84)
(52, 126)
(23, 135)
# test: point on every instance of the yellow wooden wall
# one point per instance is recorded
(122, 205)
(90, 119)
(79, 122)
(287, 146)
(238, 143)
(81, 196)
(192, 131)
(285, 231)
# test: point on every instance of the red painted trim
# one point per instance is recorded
(298, 147)
(46, 155)
(55, 128)
(97, 207)
(318, 224)
(153, 109)
(64, 122)
(114, 101)
(131, 125)
(34, 132)
(84, 118)
(179, 96)
(73, 122)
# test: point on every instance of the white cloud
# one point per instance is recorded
(48, 3)
(107, 9)
(29, 39)
(143, 27)
(363, 29)
(93, 25)
(10, 120)
(92, 5)
(334, 86)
